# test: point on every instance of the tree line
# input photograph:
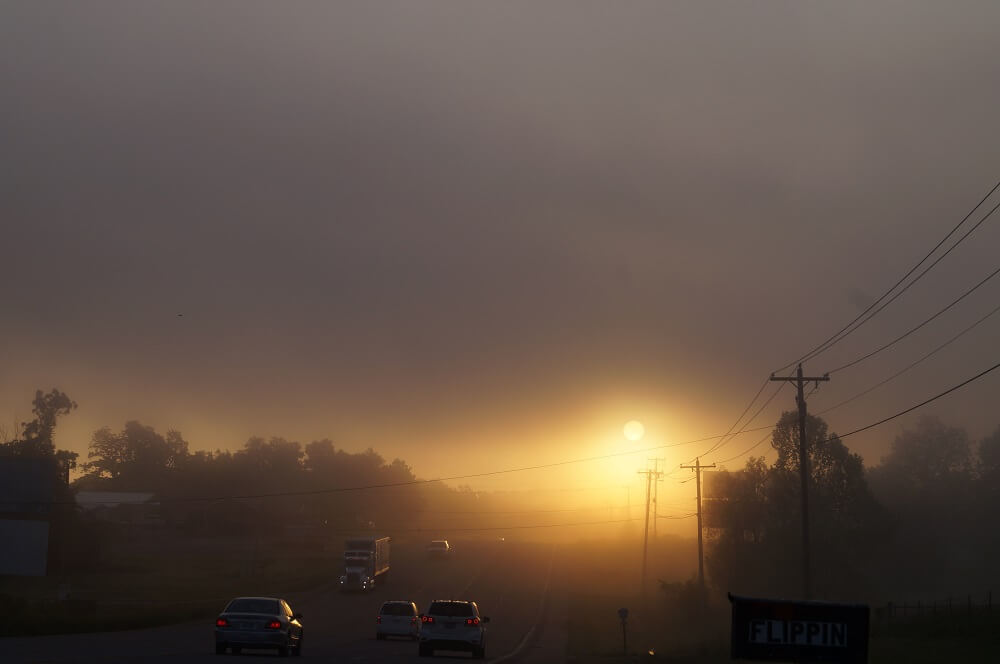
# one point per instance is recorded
(920, 523)
(265, 487)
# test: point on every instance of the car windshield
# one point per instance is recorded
(397, 609)
(438, 545)
(253, 605)
(451, 609)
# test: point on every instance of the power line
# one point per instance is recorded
(722, 443)
(914, 329)
(484, 528)
(917, 278)
(509, 470)
(911, 365)
(746, 451)
(921, 404)
(387, 485)
(488, 512)
(848, 329)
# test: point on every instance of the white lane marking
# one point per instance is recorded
(526, 639)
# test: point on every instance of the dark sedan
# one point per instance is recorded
(258, 622)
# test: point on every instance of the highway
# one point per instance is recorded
(507, 579)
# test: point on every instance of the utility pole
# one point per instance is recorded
(701, 555)
(645, 538)
(800, 399)
(656, 494)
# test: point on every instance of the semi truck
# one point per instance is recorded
(366, 562)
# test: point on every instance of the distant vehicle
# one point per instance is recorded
(366, 561)
(439, 549)
(453, 625)
(258, 622)
(397, 618)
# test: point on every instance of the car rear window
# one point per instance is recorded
(451, 609)
(247, 605)
(397, 609)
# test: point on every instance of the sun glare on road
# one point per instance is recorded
(634, 430)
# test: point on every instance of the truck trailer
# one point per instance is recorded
(366, 562)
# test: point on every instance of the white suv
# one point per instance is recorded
(397, 618)
(451, 624)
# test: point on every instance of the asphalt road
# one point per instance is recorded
(507, 580)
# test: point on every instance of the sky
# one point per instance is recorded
(479, 236)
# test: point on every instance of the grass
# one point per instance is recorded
(157, 579)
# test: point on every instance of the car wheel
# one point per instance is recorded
(425, 651)
(236, 650)
(298, 647)
(220, 648)
(379, 636)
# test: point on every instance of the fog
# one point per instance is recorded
(409, 268)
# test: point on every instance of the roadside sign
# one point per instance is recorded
(623, 614)
(786, 631)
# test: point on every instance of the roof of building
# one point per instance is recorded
(89, 500)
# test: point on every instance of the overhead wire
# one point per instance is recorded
(866, 356)
(921, 404)
(723, 442)
(332, 490)
(851, 327)
(912, 364)
(746, 451)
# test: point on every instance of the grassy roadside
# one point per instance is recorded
(595, 635)
(157, 580)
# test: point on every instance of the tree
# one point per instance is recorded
(756, 530)
(927, 481)
(37, 435)
(926, 463)
(137, 457)
(47, 408)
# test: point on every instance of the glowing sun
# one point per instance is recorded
(634, 430)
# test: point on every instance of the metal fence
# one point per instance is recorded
(954, 607)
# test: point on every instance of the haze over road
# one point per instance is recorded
(507, 579)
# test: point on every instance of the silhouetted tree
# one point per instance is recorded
(37, 435)
(927, 481)
(756, 523)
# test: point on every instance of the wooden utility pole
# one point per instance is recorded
(645, 538)
(800, 399)
(701, 555)
(656, 494)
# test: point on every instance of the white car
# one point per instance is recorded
(397, 618)
(451, 624)
(439, 549)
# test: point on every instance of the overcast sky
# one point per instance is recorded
(475, 235)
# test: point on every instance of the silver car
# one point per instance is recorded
(453, 625)
(397, 618)
(258, 622)
(439, 549)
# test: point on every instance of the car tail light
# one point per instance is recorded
(274, 624)
(413, 621)
(428, 619)
(378, 620)
(472, 621)
(221, 622)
